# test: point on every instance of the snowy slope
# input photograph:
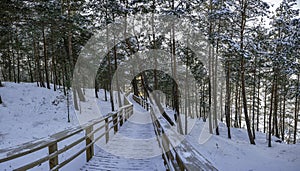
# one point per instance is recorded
(237, 153)
(29, 112)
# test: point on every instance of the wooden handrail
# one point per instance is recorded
(172, 154)
(118, 118)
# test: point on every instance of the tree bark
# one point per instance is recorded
(46, 59)
(296, 111)
(227, 106)
(265, 108)
(276, 107)
(236, 123)
(283, 116)
(258, 105)
(175, 86)
(270, 116)
(243, 24)
(253, 100)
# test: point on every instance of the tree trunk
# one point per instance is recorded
(115, 69)
(46, 60)
(280, 112)
(209, 90)
(76, 106)
(296, 111)
(221, 103)
(236, 125)
(105, 92)
(258, 105)
(175, 86)
(186, 95)
(270, 116)
(276, 106)
(30, 69)
(96, 88)
(18, 58)
(196, 100)
(265, 108)
(283, 116)
(0, 95)
(154, 46)
(12, 61)
(40, 81)
(109, 65)
(54, 71)
(227, 106)
(253, 100)
(243, 24)
(215, 91)
(9, 64)
(240, 110)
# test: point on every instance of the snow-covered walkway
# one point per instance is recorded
(134, 147)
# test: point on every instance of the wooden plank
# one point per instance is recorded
(107, 160)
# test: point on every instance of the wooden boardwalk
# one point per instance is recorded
(134, 147)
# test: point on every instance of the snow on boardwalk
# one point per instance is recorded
(134, 147)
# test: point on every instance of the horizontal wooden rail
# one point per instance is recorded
(89, 129)
(169, 154)
(174, 155)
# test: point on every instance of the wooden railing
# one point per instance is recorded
(106, 124)
(173, 155)
(141, 102)
(170, 156)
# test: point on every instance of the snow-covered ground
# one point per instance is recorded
(29, 113)
(237, 153)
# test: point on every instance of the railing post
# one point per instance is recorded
(121, 116)
(115, 121)
(106, 130)
(130, 111)
(89, 139)
(179, 162)
(54, 161)
(125, 114)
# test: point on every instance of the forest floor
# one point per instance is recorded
(29, 112)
